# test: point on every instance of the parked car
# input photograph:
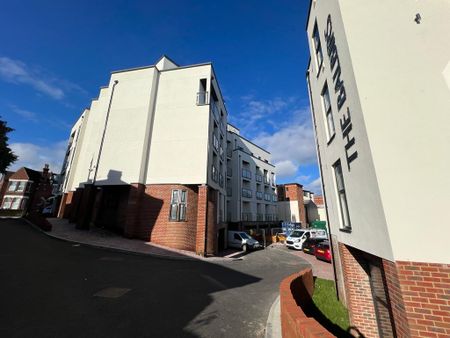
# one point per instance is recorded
(242, 240)
(323, 251)
(310, 245)
(299, 236)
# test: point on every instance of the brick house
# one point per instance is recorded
(26, 189)
(383, 139)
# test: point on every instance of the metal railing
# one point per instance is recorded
(215, 142)
(246, 174)
(259, 195)
(267, 197)
(258, 178)
(214, 174)
(246, 193)
(202, 98)
(266, 180)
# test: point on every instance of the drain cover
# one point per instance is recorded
(112, 292)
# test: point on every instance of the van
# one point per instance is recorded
(241, 240)
(297, 237)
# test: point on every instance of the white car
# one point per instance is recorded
(299, 236)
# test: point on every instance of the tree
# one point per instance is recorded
(7, 157)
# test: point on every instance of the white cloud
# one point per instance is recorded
(294, 142)
(15, 71)
(26, 114)
(34, 157)
(285, 169)
(314, 186)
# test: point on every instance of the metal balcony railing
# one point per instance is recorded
(274, 198)
(246, 193)
(202, 98)
(215, 142)
(258, 178)
(267, 197)
(214, 173)
(259, 195)
(246, 174)
(266, 180)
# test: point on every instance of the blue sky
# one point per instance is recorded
(54, 56)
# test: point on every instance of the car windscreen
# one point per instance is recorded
(297, 233)
(245, 235)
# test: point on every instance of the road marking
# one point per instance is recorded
(112, 292)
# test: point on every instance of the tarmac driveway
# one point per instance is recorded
(52, 288)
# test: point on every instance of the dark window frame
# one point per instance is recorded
(178, 205)
(345, 223)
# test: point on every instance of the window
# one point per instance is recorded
(342, 198)
(15, 204)
(12, 186)
(237, 237)
(317, 47)
(178, 205)
(21, 186)
(7, 203)
(328, 112)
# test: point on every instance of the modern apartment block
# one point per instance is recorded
(251, 182)
(147, 158)
(379, 80)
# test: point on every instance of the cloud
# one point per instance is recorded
(26, 114)
(285, 169)
(34, 157)
(293, 142)
(17, 72)
(315, 186)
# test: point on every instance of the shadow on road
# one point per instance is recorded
(48, 289)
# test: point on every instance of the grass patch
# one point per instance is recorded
(325, 299)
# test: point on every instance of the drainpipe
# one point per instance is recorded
(104, 132)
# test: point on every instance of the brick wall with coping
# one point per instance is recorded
(296, 292)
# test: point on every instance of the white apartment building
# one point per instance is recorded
(147, 158)
(251, 182)
(379, 80)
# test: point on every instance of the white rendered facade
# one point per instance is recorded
(251, 181)
(162, 127)
(379, 80)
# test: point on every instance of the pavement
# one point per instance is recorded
(53, 288)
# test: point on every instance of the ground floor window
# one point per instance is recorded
(178, 205)
(14, 203)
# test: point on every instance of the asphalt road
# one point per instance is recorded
(52, 288)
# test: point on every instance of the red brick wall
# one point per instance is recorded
(211, 228)
(293, 192)
(295, 296)
(359, 297)
(148, 216)
(426, 292)
(202, 212)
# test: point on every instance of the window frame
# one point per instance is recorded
(328, 112)
(317, 44)
(341, 195)
(179, 205)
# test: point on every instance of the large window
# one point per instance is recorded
(340, 186)
(317, 47)
(328, 112)
(178, 205)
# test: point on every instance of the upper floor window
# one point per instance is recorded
(178, 204)
(317, 47)
(342, 197)
(328, 112)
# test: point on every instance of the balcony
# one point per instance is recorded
(221, 152)
(266, 180)
(229, 192)
(202, 98)
(267, 197)
(246, 193)
(274, 198)
(215, 142)
(215, 110)
(214, 174)
(247, 216)
(258, 178)
(259, 195)
(247, 174)
(229, 172)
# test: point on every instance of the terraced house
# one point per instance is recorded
(148, 158)
(379, 80)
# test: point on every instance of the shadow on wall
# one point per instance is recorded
(166, 298)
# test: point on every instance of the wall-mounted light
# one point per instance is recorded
(418, 18)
